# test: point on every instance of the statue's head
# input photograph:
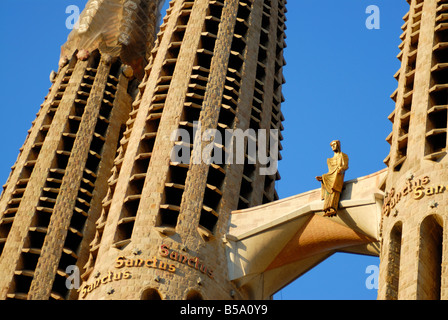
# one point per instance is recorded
(335, 145)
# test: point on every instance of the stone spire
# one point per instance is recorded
(118, 28)
(415, 210)
(217, 64)
(53, 196)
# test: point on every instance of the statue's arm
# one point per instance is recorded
(344, 164)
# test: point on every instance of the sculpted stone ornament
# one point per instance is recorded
(127, 71)
(63, 62)
(83, 54)
(333, 181)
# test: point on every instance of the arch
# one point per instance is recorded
(393, 261)
(194, 295)
(150, 294)
(430, 258)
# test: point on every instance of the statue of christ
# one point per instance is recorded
(333, 181)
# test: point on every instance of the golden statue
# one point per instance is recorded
(333, 181)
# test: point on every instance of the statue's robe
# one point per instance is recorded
(332, 182)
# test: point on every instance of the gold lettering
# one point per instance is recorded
(391, 192)
(154, 262)
(429, 191)
(425, 180)
(104, 279)
(418, 193)
(111, 276)
(405, 191)
(174, 255)
(117, 276)
(386, 210)
(182, 259)
(164, 250)
(129, 263)
(119, 263)
(83, 292)
(196, 265)
(148, 263)
(417, 183)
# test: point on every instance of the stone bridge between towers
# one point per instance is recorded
(271, 245)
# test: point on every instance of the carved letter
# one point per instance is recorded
(174, 255)
(83, 292)
(418, 193)
(164, 250)
(104, 279)
(119, 262)
(117, 276)
(162, 265)
(129, 263)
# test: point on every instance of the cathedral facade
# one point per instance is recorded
(150, 169)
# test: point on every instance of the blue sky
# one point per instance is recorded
(339, 78)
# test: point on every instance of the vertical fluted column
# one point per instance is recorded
(53, 197)
(207, 73)
(414, 254)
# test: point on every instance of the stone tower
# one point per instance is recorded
(54, 193)
(414, 252)
(161, 235)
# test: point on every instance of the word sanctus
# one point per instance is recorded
(417, 188)
(110, 277)
(121, 262)
(193, 262)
